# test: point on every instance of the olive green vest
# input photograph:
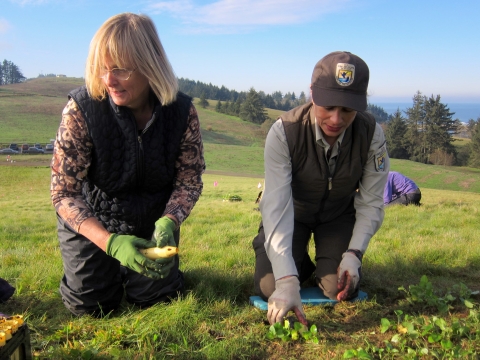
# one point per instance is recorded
(319, 196)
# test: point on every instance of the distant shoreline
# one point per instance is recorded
(463, 111)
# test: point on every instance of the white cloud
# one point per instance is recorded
(247, 13)
(4, 26)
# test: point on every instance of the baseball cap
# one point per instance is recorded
(340, 79)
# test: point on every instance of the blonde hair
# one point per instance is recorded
(130, 40)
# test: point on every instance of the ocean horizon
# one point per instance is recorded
(463, 111)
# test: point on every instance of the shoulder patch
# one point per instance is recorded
(380, 156)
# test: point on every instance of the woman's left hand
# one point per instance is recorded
(163, 234)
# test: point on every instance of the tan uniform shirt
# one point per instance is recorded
(276, 205)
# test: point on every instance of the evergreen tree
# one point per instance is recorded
(252, 108)
(471, 126)
(302, 99)
(415, 129)
(474, 158)
(203, 101)
(237, 106)
(277, 96)
(218, 107)
(378, 113)
(438, 127)
(10, 73)
(269, 102)
(226, 107)
(395, 136)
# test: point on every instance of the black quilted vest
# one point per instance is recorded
(313, 199)
(131, 175)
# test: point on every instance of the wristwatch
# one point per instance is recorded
(357, 253)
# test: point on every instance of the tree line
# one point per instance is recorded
(425, 133)
(250, 106)
(276, 100)
(10, 73)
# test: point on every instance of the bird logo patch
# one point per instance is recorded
(380, 156)
(345, 74)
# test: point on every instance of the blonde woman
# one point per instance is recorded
(126, 171)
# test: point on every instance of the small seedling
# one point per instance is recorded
(286, 333)
(229, 197)
(440, 336)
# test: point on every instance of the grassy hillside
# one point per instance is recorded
(439, 177)
(31, 111)
(214, 319)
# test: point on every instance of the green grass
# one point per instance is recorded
(439, 177)
(214, 320)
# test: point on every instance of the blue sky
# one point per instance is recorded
(271, 45)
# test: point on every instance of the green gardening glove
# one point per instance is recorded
(163, 234)
(124, 248)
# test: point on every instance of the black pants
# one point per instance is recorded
(407, 199)
(331, 240)
(94, 283)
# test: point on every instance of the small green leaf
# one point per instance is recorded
(385, 325)
(350, 354)
(441, 323)
(362, 354)
(298, 326)
(450, 297)
(468, 304)
(410, 327)
(396, 338)
(313, 329)
(446, 344)
(410, 351)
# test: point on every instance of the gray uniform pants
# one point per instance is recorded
(94, 283)
(331, 240)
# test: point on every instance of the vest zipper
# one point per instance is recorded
(141, 160)
(327, 190)
(141, 166)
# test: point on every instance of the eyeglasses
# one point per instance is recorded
(119, 74)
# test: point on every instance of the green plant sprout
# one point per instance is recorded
(286, 333)
(432, 336)
(229, 197)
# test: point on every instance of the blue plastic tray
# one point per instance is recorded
(310, 296)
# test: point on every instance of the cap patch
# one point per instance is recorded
(345, 74)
